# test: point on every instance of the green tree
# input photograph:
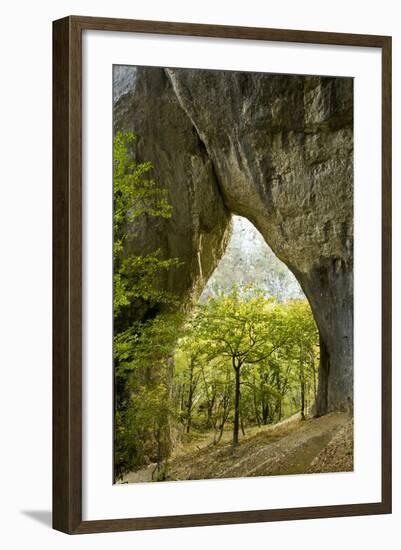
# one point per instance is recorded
(248, 356)
(140, 391)
(244, 331)
(304, 350)
(188, 371)
(135, 195)
(146, 363)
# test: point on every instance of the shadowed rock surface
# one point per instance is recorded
(276, 149)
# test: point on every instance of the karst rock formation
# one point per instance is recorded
(276, 149)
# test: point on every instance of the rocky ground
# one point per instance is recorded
(293, 446)
(337, 456)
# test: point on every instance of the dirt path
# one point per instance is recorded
(290, 447)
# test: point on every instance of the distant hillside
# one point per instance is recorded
(248, 260)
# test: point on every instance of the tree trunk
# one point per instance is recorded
(313, 367)
(189, 419)
(226, 411)
(302, 387)
(279, 409)
(265, 412)
(255, 406)
(182, 397)
(323, 383)
(302, 400)
(217, 437)
(236, 404)
(190, 397)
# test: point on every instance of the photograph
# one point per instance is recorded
(201, 298)
(233, 271)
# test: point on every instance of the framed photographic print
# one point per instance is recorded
(222, 274)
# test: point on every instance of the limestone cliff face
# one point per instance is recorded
(199, 229)
(276, 149)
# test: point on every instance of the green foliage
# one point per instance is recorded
(135, 195)
(244, 329)
(141, 382)
(271, 347)
(241, 359)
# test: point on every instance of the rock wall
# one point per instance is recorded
(275, 149)
(199, 229)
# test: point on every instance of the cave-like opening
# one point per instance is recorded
(251, 353)
(249, 262)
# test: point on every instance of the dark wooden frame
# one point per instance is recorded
(67, 283)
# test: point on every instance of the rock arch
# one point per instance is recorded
(276, 149)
